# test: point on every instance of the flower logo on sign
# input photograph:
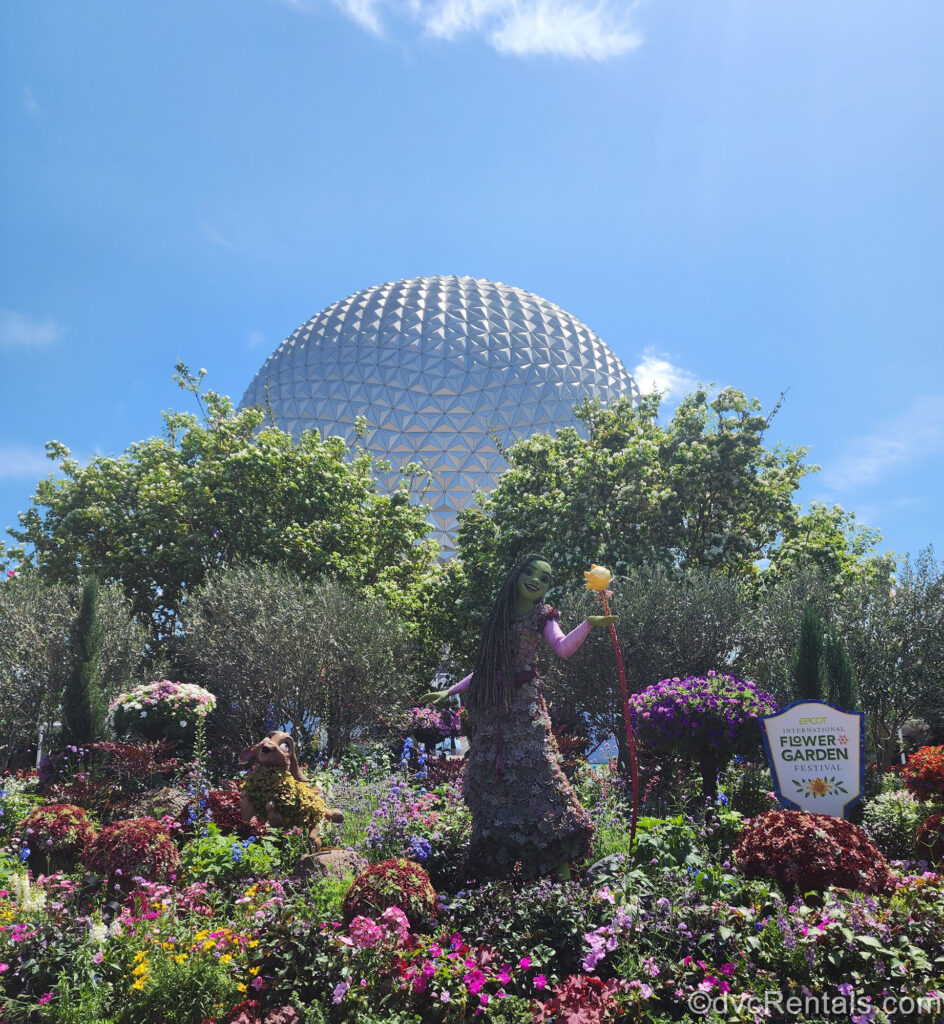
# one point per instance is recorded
(843, 739)
(819, 787)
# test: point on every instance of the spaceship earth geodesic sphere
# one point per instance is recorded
(441, 368)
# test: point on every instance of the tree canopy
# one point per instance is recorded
(210, 493)
(699, 491)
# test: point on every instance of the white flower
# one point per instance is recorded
(183, 724)
(144, 714)
(98, 932)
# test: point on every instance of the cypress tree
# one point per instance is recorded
(807, 661)
(83, 706)
(842, 685)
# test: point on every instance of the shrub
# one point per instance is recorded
(707, 718)
(544, 920)
(224, 859)
(392, 883)
(803, 851)
(57, 835)
(161, 709)
(224, 806)
(136, 847)
(890, 821)
(929, 839)
(924, 773)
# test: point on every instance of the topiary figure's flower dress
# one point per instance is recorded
(524, 810)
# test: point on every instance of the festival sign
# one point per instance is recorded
(816, 754)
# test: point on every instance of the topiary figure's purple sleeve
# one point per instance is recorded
(564, 646)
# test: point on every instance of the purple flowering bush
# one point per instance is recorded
(708, 718)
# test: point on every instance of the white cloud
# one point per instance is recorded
(365, 12)
(656, 373)
(909, 436)
(17, 330)
(573, 29)
(18, 460)
(581, 29)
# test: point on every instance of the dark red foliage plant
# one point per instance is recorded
(136, 847)
(583, 999)
(56, 835)
(396, 882)
(226, 815)
(929, 839)
(803, 852)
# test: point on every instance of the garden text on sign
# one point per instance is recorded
(816, 756)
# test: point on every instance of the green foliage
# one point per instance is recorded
(806, 665)
(209, 493)
(83, 706)
(841, 683)
(36, 658)
(544, 920)
(701, 490)
(895, 640)
(224, 860)
(273, 646)
(890, 821)
(828, 541)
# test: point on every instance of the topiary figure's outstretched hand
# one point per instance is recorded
(602, 620)
(436, 698)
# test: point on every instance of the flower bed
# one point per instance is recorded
(197, 924)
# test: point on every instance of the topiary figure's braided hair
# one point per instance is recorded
(496, 652)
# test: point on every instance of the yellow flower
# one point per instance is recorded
(139, 984)
(240, 988)
(209, 944)
(179, 958)
(597, 577)
(138, 957)
(225, 958)
(253, 970)
(140, 969)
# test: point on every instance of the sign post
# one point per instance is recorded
(816, 754)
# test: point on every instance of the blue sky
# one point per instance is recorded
(732, 192)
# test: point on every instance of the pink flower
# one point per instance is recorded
(540, 981)
(503, 976)
(339, 991)
(257, 983)
(46, 997)
(444, 996)
(4, 968)
(727, 969)
(524, 963)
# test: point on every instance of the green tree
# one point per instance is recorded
(895, 640)
(806, 666)
(208, 493)
(275, 649)
(841, 683)
(36, 619)
(702, 490)
(83, 707)
(829, 541)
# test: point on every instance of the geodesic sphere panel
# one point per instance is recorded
(441, 368)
